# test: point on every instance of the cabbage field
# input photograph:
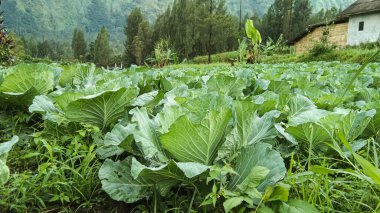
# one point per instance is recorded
(288, 138)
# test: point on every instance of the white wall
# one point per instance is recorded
(371, 32)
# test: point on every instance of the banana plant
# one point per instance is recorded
(254, 47)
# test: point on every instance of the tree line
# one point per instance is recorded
(190, 27)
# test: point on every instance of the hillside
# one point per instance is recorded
(56, 18)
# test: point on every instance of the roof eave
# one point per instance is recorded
(361, 12)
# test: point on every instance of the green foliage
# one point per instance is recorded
(163, 54)
(302, 11)
(57, 20)
(255, 37)
(6, 57)
(276, 47)
(141, 44)
(24, 81)
(4, 149)
(346, 55)
(215, 138)
(322, 46)
(131, 30)
(102, 49)
(78, 44)
(196, 27)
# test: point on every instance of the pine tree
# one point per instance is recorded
(79, 45)
(44, 49)
(142, 43)
(287, 21)
(102, 50)
(276, 20)
(91, 52)
(301, 15)
(197, 27)
(133, 23)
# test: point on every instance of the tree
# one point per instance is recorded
(287, 21)
(102, 50)
(209, 27)
(30, 45)
(5, 44)
(273, 21)
(43, 49)
(18, 50)
(142, 43)
(132, 28)
(301, 15)
(79, 45)
(91, 52)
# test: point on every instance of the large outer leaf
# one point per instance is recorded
(147, 135)
(193, 142)
(101, 109)
(250, 128)
(201, 105)
(297, 206)
(310, 134)
(117, 141)
(168, 175)
(245, 113)
(4, 149)
(259, 154)
(45, 106)
(118, 182)
(299, 105)
(354, 123)
(227, 85)
(374, 125)
(25, 82)
(168, 116)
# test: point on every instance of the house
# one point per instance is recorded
(359, 23)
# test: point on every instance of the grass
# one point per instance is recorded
(348, 55)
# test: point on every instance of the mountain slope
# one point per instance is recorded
(57, 18)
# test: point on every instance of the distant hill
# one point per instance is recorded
(57, 18)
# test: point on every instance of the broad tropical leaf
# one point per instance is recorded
(25, 82)
(117, 141)
(45, 106)
(226, 85)
(167, 175)
(4, 149)
(147, 136)
(297, 206)
(119, 184)
(262, 155)
(252, 32)
(309, 134)
(197, 142)
(101, 109)
(250, 127)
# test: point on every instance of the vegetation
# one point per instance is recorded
(213, 29)
(230, 138)
(5, 44)
(123, 124)
(255, 40)
(79, 45)
(102, 50)
(51, 19)
(347, 55)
